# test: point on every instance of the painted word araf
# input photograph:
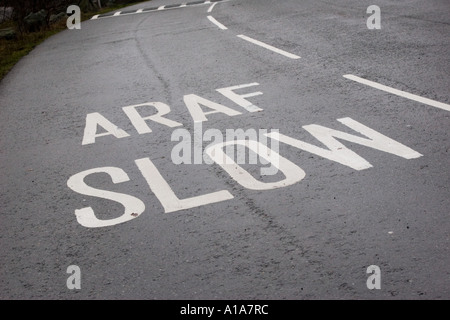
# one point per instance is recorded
(134, 207)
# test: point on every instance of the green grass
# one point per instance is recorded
(11, 51)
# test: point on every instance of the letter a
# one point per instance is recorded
(90, 130)
(73, 22)
(74, 281)
(194, 101)
(374, 281)
(374, 21)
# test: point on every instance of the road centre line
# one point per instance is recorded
(211, 7)
(269, 47)
(217, 23)
(160, 8)
(400, 93)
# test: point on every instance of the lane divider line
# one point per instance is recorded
(397, 92)
(160, 8)
(211, 7)
(269, 47)
(217, 23)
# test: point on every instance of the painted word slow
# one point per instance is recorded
(329, 147)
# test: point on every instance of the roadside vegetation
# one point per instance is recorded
(24, 24)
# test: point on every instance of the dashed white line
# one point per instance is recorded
(211, 7)
(269, 47)
(217, 23)
(160, 8)
(400, 93)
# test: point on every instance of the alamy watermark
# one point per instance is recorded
(374, 21)
(230, 149)
(74, 280)
(74, 20)
(374, 280)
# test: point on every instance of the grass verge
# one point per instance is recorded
(11, 51)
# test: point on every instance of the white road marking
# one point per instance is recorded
(161, 8)
(212, 7)
(240, 99)
(269, 47)
(338, 152)
(162, 190)
(140, 123)
(117, 13)
(93, 120)
(193, 102)
(217, 23)
(291, 171)
(86, 216)
(400, 93)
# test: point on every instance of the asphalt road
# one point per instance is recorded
(310, 237)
